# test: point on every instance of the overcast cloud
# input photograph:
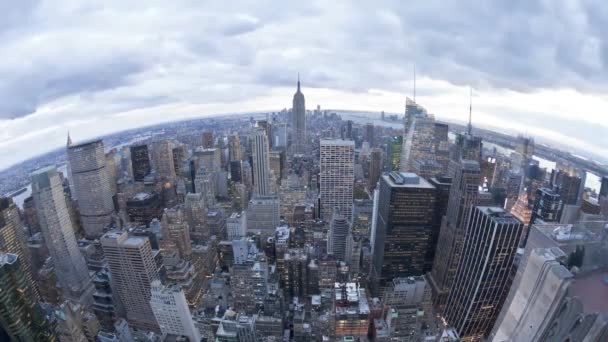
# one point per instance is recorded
(537, 66)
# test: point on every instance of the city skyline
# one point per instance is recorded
(154, 72)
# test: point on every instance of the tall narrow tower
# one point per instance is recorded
(56, 225)
(337, 177)
(261, 162)
(298, 124)
(92, 186)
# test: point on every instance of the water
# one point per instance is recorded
(19, 199)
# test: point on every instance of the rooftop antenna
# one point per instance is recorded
(470, 125)
(298, 81)
(69, 139)
(414, 83)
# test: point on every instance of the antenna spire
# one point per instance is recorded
(414, 83)
(470, 125)
(298, 81)
(69, 139)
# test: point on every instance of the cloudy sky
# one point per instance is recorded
(537, 67)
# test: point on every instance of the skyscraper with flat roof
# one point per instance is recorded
(484, 273)
(171, 310)
(261, 162)
(133, 269)
(92, 186)
(20, 316)
(58, 231)
(140, 162)
(337, 176)
(403, 242)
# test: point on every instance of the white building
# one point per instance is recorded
(337, 163)
(236, 225)
(171, 310)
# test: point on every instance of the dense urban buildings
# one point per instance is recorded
(296, 225)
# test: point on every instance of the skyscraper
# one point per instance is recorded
(171, 311)
(298, 123)
(406, 229)
(176, 233)
(207, 140)
(13, 240)
(58, 232)
(162, 155)
(337, 176)
(261, 162)
(464, 194)
(234, 148)
(92, 186)
(375, 167)
(140, 162)
(20, 316)
(418, 137)
(338, 231)
(369, 134)
(484, 273)
(133, 270)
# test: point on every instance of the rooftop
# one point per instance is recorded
(406, 180)
(589, 288)
(337, 142)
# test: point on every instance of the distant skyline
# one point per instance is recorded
(537, 67)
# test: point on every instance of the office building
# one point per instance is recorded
(375, 167)
(418, 136)
(208, 141)
(338, 232)
(236, 225)
(171, 311)
(556, 292)
(568, 186)
(547, 207)
(403, 240)
(336, 177)
(143, 207)
(394, 147)
(162, 155)
(133, 269)
(140, 162)
(484, 273)
(351, 311)
(369, 134)
(196, 216)
(261, 162)
(298, 122)
(58, 231)
(464, 195)
(20, 316)
(13, 239)
(407, 305)
(234, 148)
(92, 186)
(263, 216)
(442, 146)
(176, 233)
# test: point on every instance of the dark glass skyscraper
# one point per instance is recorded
(403, 235)
(484, 273)
(140, 161)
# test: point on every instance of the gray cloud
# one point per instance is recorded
(103, 59)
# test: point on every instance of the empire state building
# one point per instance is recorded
(298, 123)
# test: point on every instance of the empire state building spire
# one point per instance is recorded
(298, 124)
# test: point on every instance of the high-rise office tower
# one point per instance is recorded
(418, 137)
(403, 241)
(13, 240)
(20, 316)
(58, 231)
(196, 216)
(162, 155)
(208, 140)
(394, 146)
(179, 153)
(298, 123)
(369, 134)
(567, 185)
(261, 162)
(484, 273)
(464, 194)
(92, 186)
(133, 269)
(338, 231)
(604, 187)
(442, 146)
(234, 148)
(336, 177)
(140, 162)
(176, 233)
(558, 291)
(112, 170)
(375, 167)
(171, 310)
(547, 207)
